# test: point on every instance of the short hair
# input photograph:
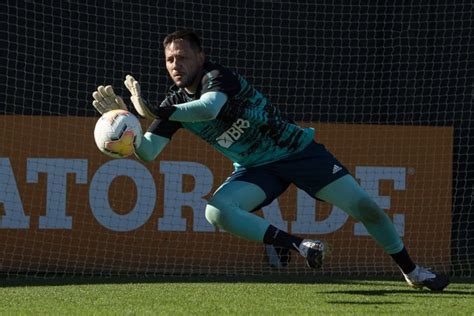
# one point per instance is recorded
(187, 35)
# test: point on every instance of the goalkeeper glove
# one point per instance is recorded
(138, 101)
(141, 105)
(105, 100)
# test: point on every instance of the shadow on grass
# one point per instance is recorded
(51, 280)
(411, 292)
(381, 285)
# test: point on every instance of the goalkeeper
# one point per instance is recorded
(268, 152)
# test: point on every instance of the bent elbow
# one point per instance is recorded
(208, 115)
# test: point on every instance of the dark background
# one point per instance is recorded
(336, 61)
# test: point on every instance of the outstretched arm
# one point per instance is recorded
(206, 108)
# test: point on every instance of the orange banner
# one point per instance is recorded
(65, 207)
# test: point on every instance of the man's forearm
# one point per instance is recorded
(151, 146)
(205, 109)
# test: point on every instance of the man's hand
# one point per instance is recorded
(105, 100)
(138, 101)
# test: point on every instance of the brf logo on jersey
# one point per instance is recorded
(232, 134)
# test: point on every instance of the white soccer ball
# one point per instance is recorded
(117, 133)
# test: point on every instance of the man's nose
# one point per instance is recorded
(176, 66)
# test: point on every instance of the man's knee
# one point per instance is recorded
(216, 211)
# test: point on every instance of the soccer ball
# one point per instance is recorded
(117, 133)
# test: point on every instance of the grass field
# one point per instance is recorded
(224, 296)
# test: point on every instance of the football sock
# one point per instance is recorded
(404, 261)
(279, 238)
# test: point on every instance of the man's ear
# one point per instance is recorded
(202, 57)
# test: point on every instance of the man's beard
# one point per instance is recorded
(186, 83)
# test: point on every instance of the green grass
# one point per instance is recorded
(224, 296)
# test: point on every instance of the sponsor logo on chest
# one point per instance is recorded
(233, 134)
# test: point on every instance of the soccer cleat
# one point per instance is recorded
(423, 277)
(313, 251)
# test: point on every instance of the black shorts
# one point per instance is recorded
(310, 170)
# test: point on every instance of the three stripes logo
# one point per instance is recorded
(336, 169)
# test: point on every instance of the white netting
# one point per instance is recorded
(388, 87)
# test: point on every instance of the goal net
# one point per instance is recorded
(388, 88)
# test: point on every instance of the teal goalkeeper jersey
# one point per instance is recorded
(248, 130)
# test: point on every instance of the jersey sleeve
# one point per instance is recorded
(164, 128)
(220, 80)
